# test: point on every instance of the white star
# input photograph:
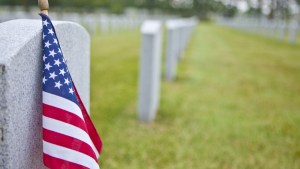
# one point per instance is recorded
(47, 44)
(52, 53)
(55, 41)
(67, 81)
(62, 72)
(44, 35)
(57, 62)
(48, 66)
(50, 31)
(71, 90)
(58, 84)
(44, 58)
(44, 80)
(52, 75)
(59, 51)
(45, 23)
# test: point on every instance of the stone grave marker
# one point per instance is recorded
(172, 48)
(293, 29)
(21, 86)
(149, 77)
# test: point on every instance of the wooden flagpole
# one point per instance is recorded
(44, 6)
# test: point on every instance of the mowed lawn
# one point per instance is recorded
(234, 105)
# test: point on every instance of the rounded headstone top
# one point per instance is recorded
(151, 26)
(172, 24)
(16, 33)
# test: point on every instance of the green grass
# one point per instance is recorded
(234, 105)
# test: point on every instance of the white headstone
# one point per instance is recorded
(149, 77)
(293, 30)
(172, 52)
(281, 30)
(104, 24)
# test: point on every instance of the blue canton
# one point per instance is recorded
(56, 77)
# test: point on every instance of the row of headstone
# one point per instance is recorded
(276, 28)
(179, 32)
(117, 23)
(111, 23)
(104, 23)
(93, 22)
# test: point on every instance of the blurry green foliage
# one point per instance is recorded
(201, 8)
(278, 8)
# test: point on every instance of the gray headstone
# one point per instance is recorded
(89, 22)
(104, 24)
(21, 89)
(293, 31)
(181, 39)
(281, 30)
(149, 78)
(179, 32)
(172, 48)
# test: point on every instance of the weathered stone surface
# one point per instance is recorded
(20, 86)
(149, 78)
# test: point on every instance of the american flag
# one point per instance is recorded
(70, 140)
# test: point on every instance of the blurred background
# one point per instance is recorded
(234, 103)
(204, 9)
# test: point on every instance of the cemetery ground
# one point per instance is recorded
(234, 105)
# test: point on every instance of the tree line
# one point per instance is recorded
(277, 8)
(200, 8)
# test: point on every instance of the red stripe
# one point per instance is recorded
(64, 116)
(56, 163)
(89, 124)
(68, 142)
(92, 132)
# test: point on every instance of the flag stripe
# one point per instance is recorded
(62, 115)
(52, 162)
(68, 142)
(69, 130)
(62, 103)
(69, 155)
(90, 127)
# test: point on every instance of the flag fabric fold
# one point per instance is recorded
(70, 140)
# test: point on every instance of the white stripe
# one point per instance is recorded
(69, 130)
(62, 103)
(69, 155)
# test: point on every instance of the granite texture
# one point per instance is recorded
(150, 70)
(20, 86)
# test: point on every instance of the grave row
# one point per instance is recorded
(273, 28)
(178, 34)
(106, 23)
(93, 22)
